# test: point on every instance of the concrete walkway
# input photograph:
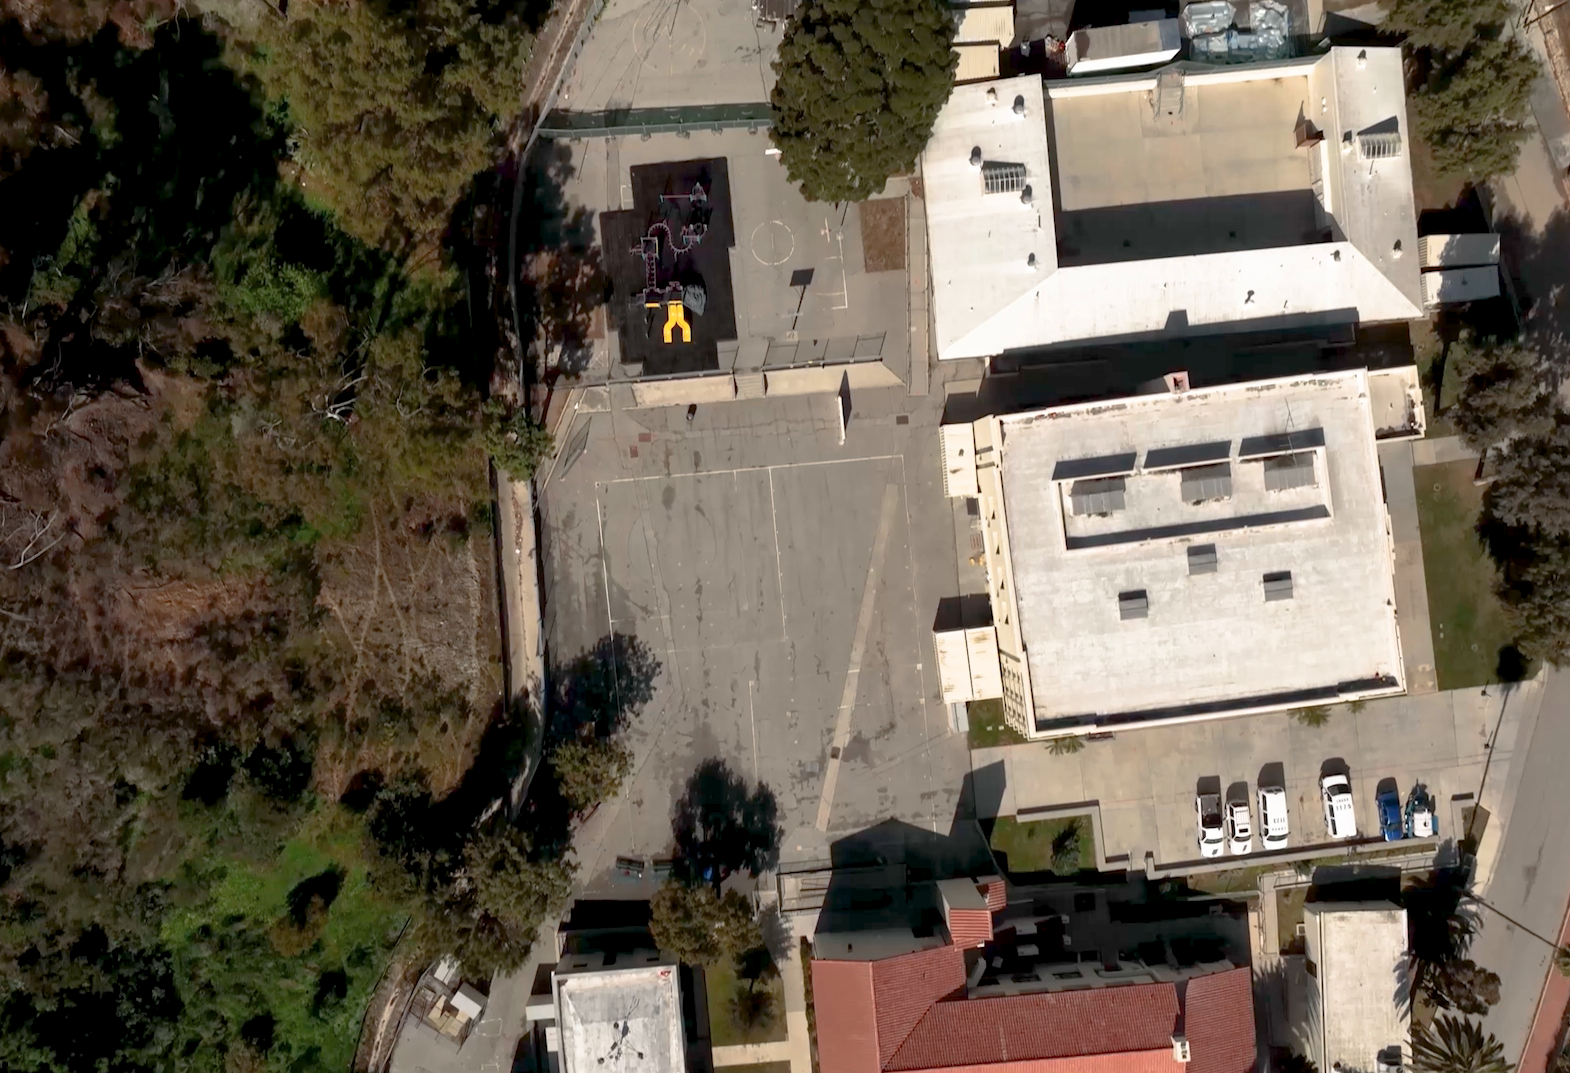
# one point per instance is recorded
(793, 977)
(747, 1054)
(1438, 450)
(1417, 640)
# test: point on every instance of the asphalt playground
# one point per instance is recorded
(786, 584)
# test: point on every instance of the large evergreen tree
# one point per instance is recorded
(394, 109)
(1502, 391)
(859, 85)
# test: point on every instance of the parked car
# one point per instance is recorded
(1240, 829)
(1336, 793)
(1420, 822)
(1273, 817)
(1389, 805)
(1207, 814)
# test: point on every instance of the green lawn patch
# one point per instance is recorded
(1469, 624)
(987, 727)
(1064, 846)
(730, 1021)
(302, 939)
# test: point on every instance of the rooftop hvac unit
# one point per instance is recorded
(1180, 1050)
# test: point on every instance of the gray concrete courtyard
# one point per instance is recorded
(787, 586)
(663, 53)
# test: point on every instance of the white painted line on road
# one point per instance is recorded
(926, 722)
(750, 469)
(857, 649)
(605, 577)
(752, 716)
(779, 569)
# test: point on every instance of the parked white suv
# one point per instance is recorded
(1240, 829)
(1273, 817)
(1336, 792)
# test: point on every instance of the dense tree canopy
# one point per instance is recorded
(1473, 93)
(394, 107)
(249, 676)
(1502, 391)
(699, 926)
(860, 83)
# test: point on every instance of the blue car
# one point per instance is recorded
(1388, 805)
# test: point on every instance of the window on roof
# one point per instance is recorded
(1103, 495)
(1202, 559)
(1290, 471)
(1202, 483)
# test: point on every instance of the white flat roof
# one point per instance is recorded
(621, 1020)
(1360, 952)
(1206, 216)
(1209, 640)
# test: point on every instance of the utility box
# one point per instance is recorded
(1452, 285)
(1457, 251)
(1099, 49)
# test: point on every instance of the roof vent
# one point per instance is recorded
(1379, 145)
(992, 95)
(1362, 58)
(1395, 251)
(1025, 196)
(1019, 105)
(1180, 1049)
(1030, 262)
(975, 157)
(1134, 604)
(1001, 177)
(1202, 559)
(1199, 484)
(1278, 586)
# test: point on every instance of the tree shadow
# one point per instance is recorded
(721, 827)
(561, 278)
(1442, 919)
(604, 687)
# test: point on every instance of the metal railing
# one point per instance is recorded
(620, 122)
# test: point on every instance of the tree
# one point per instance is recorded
(1461, 985)
(860, 83)
(514, 442)
(489, 918)
(1444, 25)
(394, 108)
(590, 770)
(1502, 391)
(1451, 1044)
(1067, 745)
(699, 926)
(1472, 112)
(1562, 960)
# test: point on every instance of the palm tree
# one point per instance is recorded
(1453, 1044)
(1562, 960)
(1316, 716)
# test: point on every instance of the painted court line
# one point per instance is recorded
(857, 650)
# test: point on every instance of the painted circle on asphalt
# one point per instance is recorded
(670, 37)
(773, 243)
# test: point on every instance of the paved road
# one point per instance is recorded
(1530, 883)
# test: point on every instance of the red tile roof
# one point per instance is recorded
(891, 1016)
(995, 892)
(846, 1016)
(904, 988)
(1061, 1024)
(970, 927)
(1219, 1022)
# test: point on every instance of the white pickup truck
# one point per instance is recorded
(1336, 791)
(1207, 814)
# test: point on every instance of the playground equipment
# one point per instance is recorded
(684, 220)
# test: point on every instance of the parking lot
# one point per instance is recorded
(786, 584)
(1144, 781)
